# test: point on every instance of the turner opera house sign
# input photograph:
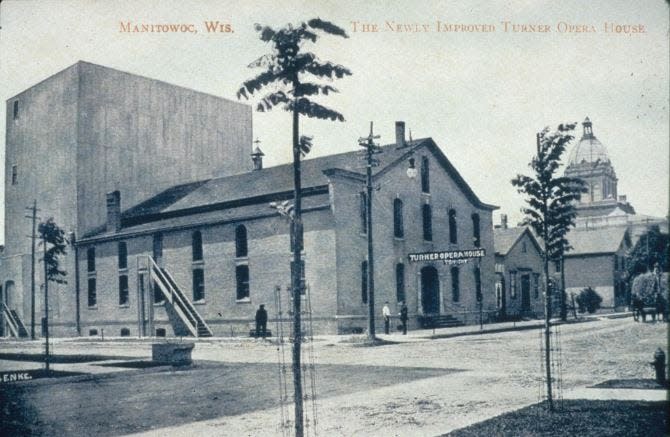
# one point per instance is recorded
(448, 256)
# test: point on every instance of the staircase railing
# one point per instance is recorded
(180, 303)
(14, 323)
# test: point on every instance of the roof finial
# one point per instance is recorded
(588, 130)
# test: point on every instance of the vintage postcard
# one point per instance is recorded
(332, 218)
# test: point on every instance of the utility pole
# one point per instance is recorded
(370, 149)
(33, 216)
(46, 305)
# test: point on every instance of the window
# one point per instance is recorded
(476, 237)
(363, 211)
(15, 175)
(199, 284)
(400, 282)
(158, 246)
(92, 332)
(616, 263)
(242, 279)
(196, 246)
(427, 223)
(125, 332)
(557, 265)
(90, 258)
(123, 255)
(453, 230)
(524, 249)
(16, 109)
(425, 175)
(92, 298)
(123, 290)
(398, 228)
(455, 285)
(301, 274)
(364, 281)
(512, 284)
(160, 332)
(478, 283)
(241, 248)
(536, 285)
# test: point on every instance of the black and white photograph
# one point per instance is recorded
(319, 218)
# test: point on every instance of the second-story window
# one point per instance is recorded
(398, 227)
(453, 229)
(427, 223)
(196, 246)
(123, 255)
(425, 175)
(90, 258)
(476, 237)
(241, 247)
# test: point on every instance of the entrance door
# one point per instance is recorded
(430, 290)
(525, 292)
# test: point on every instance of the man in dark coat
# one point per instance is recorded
(404, 318)
(261, 321)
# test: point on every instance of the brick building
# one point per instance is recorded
(172, 229)
(519, 287)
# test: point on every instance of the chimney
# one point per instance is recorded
(257, 158)
(400, 134)
(503, 221)
(114, 211)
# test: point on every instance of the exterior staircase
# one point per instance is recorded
(180, 303)
(16, 326)
(432, 321)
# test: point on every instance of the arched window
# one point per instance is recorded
(90, 258)
(241, 248)
(400, 282)
(364, 281)
(476, 236)
(453, 229)
(242, 279)
(123, 255)
(478, 283)
(198, 285)
(196, 243)
(425, 175)
(455, 285)
(427, 223)
(123, 290)
(398, 228)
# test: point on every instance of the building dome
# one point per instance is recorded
(589, 149)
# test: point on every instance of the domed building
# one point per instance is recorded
(590, 162)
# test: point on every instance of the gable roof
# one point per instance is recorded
(275, 183)
(504, 239)
(595, 241)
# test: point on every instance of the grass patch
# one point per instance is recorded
(643, 384)
(59, 359)
(584, 418)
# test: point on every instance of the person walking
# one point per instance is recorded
(404, 318)
(261, 321)
(386, 313)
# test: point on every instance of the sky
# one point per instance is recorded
(481, 96)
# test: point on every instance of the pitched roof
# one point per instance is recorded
(594, 241)
(259, 185)
(504, 239)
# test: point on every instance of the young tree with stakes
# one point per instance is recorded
(550, 211)
(287, 70)
(53, 245)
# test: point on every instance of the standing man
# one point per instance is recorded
(403, 318)
(261, 321)
(386, 312)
